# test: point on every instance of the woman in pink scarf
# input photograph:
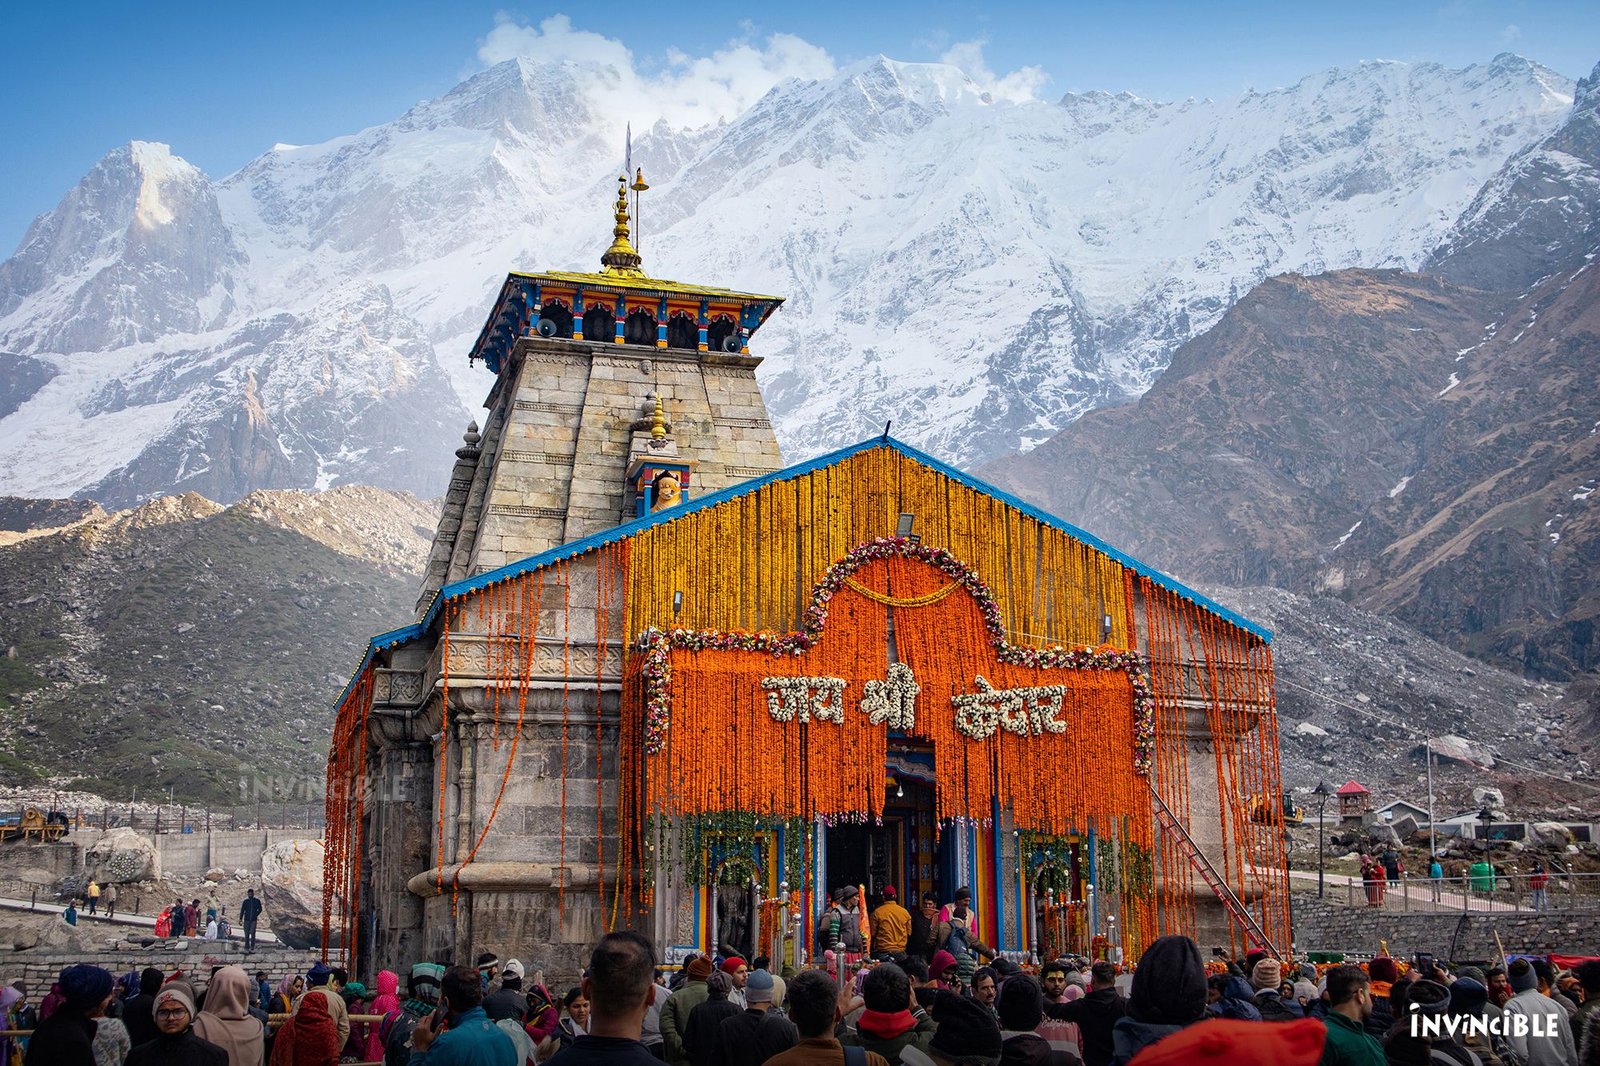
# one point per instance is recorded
(387, 984)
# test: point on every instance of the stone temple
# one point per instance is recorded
(658, 680)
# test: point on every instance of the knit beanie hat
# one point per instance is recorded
(966, 1029)
(1428, 997)
(85, 986)
(760, 987)
(425, 980)
(699, 968)
(1020, 1003)
(514, 968)
(720, 984)
(318, 974)
(1304, 989)
(1268, 974)
(1383, 968)
(1224, 1041)
(1468, 996)
(1522, 976)
(731, 964)
(173, 993)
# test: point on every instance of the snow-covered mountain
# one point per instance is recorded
(982, 272)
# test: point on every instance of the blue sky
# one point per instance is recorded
(223, 82)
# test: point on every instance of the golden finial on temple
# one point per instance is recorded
(621, 257)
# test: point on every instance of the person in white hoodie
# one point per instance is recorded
(1547, 1038)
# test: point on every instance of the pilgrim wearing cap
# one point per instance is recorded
(675, 1015)
(176, 1043)
(701, 1037)
(509, 1001)
(891, 926)
(757, 1033)
(318, 979)
(1267, 979)
(67, 1036)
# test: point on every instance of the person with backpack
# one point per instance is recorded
(395, 1030)
(958, 934)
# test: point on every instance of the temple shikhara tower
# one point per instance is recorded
(657, 680)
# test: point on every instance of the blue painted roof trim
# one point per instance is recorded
(450, 592)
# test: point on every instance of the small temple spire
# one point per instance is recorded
(658, 423)
(621, 258)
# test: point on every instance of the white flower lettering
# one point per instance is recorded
(893, 701)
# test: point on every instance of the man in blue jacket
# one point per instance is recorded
(466, 1037)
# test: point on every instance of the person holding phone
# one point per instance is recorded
(461, 1033)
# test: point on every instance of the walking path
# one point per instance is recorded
(1409, 895)
(85, 919)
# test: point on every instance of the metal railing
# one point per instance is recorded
(306, 816)
(1508, 891)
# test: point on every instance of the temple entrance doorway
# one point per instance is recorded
(905, 851)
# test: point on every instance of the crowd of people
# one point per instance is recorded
(899, 1007)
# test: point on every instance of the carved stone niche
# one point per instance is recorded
(402, 687)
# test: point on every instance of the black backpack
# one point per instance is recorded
(956, 941)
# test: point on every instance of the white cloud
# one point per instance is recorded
(1021, 86)
(1510, 33)
(686, 91)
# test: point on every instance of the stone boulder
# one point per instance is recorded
(1383, 835)
(1404, 826)
(215, 874)
(291, 891)
(1493, 798)
(1452, 748)
(1549, 834)
(123, 856)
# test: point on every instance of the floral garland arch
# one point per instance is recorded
(656, 645)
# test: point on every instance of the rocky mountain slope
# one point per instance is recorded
(980, 271)
(1359, 695)
(1418, 448)
(1421, 448)
(187, 645)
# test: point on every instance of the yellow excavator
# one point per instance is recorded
(1261, 810)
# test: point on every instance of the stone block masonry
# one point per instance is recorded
(194, 957)
(1457, 935)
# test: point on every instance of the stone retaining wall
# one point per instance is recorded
(39, 969)
(1323, 925)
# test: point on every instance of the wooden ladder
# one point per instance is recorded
(1208, 873)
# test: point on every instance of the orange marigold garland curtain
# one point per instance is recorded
(344, 808)
(725, 750)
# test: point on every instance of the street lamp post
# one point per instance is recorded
(1321, 792)
(1486, 816)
